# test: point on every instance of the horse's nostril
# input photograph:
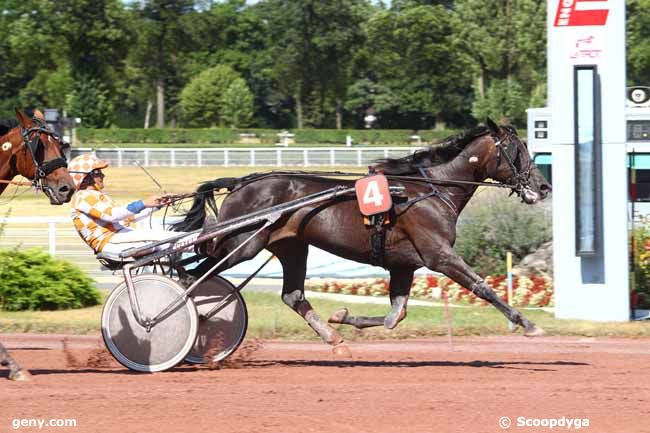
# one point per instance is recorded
(64, 189)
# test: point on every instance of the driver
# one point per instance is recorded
(100, 222)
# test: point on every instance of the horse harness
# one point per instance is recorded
(520, 179)
(382, 222)
(44, 169)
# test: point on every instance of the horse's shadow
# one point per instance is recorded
(525, 365)
(514, 365)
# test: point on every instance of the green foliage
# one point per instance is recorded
(638, 42)
(493, 224)
(202, 99)
(237, 104)
(97, 137)
(33, 280)
(641, 251)
(312, 45)
(316, 63)
(507, 42)
(48, 88)
(90, 102)
(504, 101)
(413, 54)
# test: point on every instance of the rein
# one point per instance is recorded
(388, 176)
(15, 182)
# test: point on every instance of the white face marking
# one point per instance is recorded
(473, 159)
(6, 146)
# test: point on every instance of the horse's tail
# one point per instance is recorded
(204, 197)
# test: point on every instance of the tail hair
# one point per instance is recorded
(203, 198)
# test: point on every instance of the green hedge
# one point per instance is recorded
(226, 136)
(494, 223)
(33, 280)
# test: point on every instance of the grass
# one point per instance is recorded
(270, 318)
(126, 184)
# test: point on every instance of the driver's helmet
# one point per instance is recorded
(80, 166)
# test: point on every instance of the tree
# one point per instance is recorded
(48, 88)
(232, 33)
(163, 34)
(506, 40)
(415, 55)
(504, 100)
(638, 42)
(30, 53)
(313, 41)
(237, 104)
(201, 100)
(90, 102)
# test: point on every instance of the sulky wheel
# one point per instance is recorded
(220, 334)
(167, 343)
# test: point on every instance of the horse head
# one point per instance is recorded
(505, 158)
(38, 155)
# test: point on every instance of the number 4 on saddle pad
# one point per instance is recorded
(373, 195)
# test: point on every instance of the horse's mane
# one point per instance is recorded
(444, 151)
(7, 125)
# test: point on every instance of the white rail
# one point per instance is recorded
(55, 235)
(58, 236)
(249, 157)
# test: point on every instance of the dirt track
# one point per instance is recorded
(396, 386)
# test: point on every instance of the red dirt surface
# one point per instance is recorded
(392, 387)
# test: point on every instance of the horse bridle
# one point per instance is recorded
(520, 179)
(45, 168)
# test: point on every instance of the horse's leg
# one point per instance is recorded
(15, 372)
(293, 256)
(400, 286)
(454, 267)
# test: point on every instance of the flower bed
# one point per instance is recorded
(534, 291)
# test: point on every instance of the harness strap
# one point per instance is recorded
(436, 193)
(378, 239)
(47, 167)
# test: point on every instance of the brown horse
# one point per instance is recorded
(31, 148)
(438, 182)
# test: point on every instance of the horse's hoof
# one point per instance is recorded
(534, 331)
(390, 322)
(338, 316)
(335, 339)
(342, 351)
(19, 376)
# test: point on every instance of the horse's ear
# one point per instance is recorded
(24, 119)
(494, 128)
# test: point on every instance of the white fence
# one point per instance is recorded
(58, 236)
(251, 157)
(53, 234)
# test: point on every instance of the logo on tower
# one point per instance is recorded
(581, 13)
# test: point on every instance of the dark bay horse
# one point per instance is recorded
(31, 148)
(438, 181)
